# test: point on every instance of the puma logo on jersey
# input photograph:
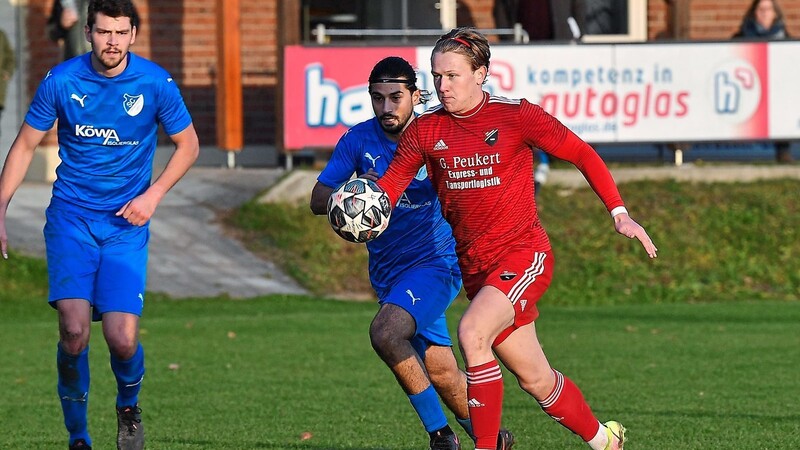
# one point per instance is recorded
(440, 145)
(491, 137)
(414, 300)
(78, 99)
(371, 159)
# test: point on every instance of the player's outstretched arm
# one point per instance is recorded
(187, 147)
(321, 193)
(630, 229)
(16, 166)
(319, 198)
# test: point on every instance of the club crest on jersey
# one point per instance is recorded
(506, 275)
(491, 137)
(133, 104)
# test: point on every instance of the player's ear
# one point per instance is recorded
(480, 75)
(415, 97)
(133, 34)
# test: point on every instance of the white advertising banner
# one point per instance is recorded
(784, 88)
(616, 93)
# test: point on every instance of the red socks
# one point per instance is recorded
(485, 400)
(567, 406)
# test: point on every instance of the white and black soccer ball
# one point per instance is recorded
(359, 210)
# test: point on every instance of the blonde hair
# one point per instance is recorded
(466, 41)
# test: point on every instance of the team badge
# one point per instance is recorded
(491, 137)
(133, 104)
(506, 275)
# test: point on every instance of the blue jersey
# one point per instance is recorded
(107, 128)
(417, 232)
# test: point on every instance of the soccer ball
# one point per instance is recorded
(359, 210)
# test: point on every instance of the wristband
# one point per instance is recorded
(618, 210)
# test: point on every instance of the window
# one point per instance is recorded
(393, 20)
(616, 21)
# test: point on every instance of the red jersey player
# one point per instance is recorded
(477, 149)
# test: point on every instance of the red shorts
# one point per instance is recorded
(523, 277)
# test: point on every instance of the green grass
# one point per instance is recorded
(258, 373)
(694, 350)
(717, 242)
(303, 245)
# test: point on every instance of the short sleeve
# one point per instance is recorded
(43, 112)
(342, 163)
(172, 112)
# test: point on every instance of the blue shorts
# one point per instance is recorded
(96, 256)
(426, 292)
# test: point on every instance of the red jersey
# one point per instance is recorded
(481, 165)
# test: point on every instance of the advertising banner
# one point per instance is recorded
(616, 93)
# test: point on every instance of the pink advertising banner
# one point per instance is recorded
(620, 93)
(326, 91)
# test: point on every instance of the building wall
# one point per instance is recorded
(181, 36)
(710, 18)
(714, 19)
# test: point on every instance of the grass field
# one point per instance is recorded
(256, 374)
(716, 241)
(698, 349)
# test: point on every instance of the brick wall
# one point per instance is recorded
(708, 19)
(658, 21)
(715, 19)
(480, 12)
(181, 36)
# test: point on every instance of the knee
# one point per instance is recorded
(389, 332)
(74, 337)
(472, 338)
(383, 341)
(122, 347)
(538, 384)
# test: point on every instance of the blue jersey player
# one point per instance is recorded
(412, 265)
(108, 103)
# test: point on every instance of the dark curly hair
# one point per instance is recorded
(394, 69)
(112, 8)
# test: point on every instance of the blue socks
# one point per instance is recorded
(427, 406)
(73, 390)
(129, 374)
(466, 424)
(73, 387)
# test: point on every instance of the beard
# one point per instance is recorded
(110, 60)
(397, 128)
